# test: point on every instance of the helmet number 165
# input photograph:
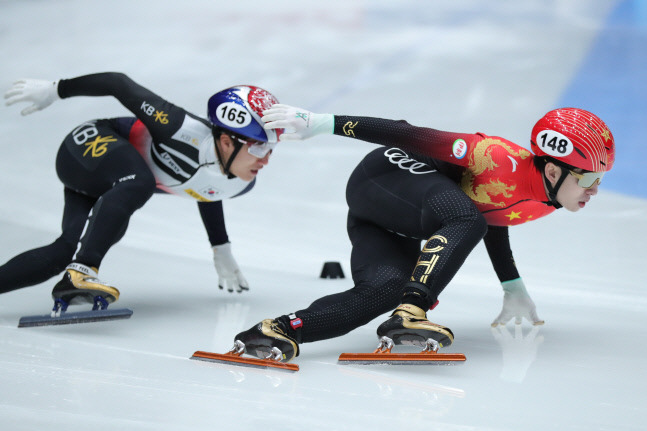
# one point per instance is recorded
(233, 115)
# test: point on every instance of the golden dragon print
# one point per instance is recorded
(481, 161)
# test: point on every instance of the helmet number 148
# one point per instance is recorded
(554, 143)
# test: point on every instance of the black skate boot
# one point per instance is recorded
(409, 325)
(269, 339)
(80, 285)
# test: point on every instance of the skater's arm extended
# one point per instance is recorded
(159, 115)
(43, 93)
(115, 84)
(229, 275)
(399, 133)
(302, 124)
(517, 303)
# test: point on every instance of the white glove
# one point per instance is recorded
(229, 274)
(518, 304)
(298, 123)
(41, 93)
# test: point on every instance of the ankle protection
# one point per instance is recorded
(418, 294)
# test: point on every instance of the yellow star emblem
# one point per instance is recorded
(606, 135)
(513, 215)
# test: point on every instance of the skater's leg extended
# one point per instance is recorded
(40, 264)
(381, 262)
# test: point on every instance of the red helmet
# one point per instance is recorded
(574, 137)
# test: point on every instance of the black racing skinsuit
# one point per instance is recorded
(105, 181)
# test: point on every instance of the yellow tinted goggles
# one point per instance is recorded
(587, 179)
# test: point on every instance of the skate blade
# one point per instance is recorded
(68, 318)
(427, 358)
(234, 359)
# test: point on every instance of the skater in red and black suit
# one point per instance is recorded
(449, 190)
(111, 167)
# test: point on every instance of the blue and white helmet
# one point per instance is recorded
(239, 110)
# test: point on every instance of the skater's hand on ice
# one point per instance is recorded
(298, 123)
(229, 275)
(518, 304)
(41, 93)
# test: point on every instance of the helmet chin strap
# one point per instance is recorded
(237, 147)
(553, 189)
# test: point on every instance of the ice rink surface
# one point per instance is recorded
(465, 66)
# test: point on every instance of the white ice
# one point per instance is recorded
(463, 66)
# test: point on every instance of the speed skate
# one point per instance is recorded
(382, 355)
(60, 315)
(235, 357)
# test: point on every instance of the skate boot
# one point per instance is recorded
(269, 339)
(409, 325)
(80, 285)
